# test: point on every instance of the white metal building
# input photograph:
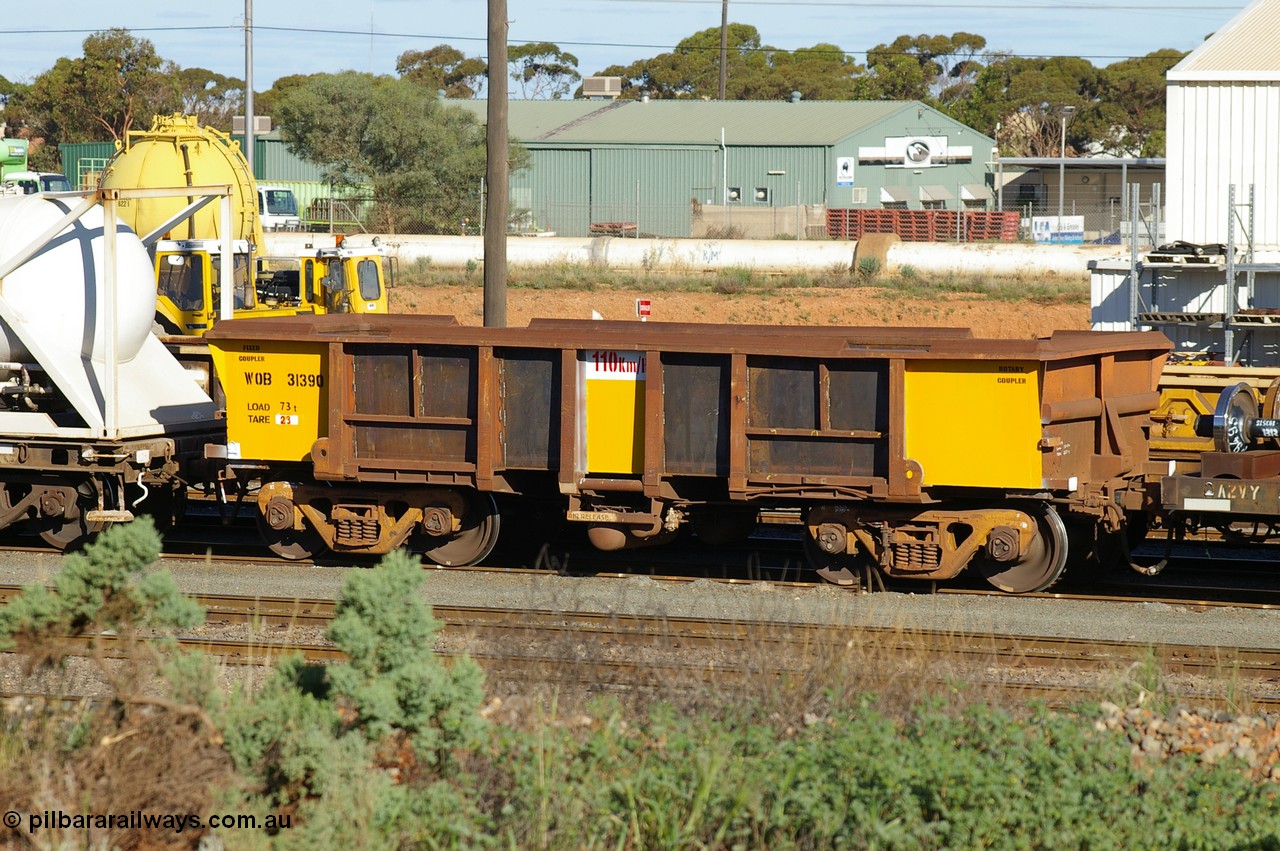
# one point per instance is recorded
(1223, 128)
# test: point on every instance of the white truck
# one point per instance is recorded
(278, 208)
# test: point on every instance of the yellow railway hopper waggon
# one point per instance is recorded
(920, 452)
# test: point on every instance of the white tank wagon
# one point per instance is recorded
(97, 419)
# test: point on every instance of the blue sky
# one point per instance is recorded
(368, 35)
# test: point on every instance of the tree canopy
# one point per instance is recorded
(120, 82)
(380, 131)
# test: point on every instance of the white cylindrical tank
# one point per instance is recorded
(58, 293)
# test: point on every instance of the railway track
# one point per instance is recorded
(745, 566)
(666, 656)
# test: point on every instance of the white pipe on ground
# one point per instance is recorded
(699, 255)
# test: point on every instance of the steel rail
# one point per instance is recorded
(734, 655)
(715, 632)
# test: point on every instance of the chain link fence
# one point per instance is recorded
(1111, 223)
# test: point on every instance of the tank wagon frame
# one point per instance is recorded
(97, 420)
(920, 451)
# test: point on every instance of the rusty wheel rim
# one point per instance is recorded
(474, 541)
(67, 534)
(291, 544)
(842, 569)
(1043, 564)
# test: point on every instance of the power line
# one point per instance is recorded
(238, 29)
(864, 4)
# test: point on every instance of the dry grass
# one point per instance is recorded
(903, 283)
(779, 676)
(75, 757)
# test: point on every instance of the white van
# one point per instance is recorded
(278, 208)
(36, 182)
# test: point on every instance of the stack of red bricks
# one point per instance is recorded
(924, 225)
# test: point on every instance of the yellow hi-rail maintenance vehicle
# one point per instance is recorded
(177, 152)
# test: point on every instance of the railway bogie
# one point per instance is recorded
(299, 519)
(65, 491)
(921, 452)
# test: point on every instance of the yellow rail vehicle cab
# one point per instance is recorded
(347, 283)
(188, 281)
(189, 287)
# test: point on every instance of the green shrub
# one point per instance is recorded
(389, 750)
(861, 780)
(101, 588)
(365, 750)
(868, 267)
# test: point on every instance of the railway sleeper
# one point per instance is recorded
(1020, 548)
(451, 526)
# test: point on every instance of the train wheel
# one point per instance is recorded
(475, 540)
(291, 544)
(841, 569)
(1041, 566)
(61, 532)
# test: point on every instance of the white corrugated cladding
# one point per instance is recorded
(1223, 128)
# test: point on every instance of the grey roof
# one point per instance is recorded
(1245, 49)
(1087, 162)
(529, 119)
(683, 122)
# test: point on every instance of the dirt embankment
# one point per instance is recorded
(809, 306)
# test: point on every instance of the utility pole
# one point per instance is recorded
(1067, 112)
(248, 85)
(724, 45)
(495, 217)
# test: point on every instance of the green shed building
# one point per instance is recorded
(677, 168)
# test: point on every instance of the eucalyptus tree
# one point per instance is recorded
(422, 158)
(444, 68)
(120, 82)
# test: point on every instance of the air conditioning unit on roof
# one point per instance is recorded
(261, 124)
(601, 87)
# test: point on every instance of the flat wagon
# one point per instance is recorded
(920, 451)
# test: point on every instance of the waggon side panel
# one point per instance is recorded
(974, 423)
(776, 410)
(795, 429)
(529, 409)
(277, 394)
(415, 406)
(695, 425)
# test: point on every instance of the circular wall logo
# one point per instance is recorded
(918, 150)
